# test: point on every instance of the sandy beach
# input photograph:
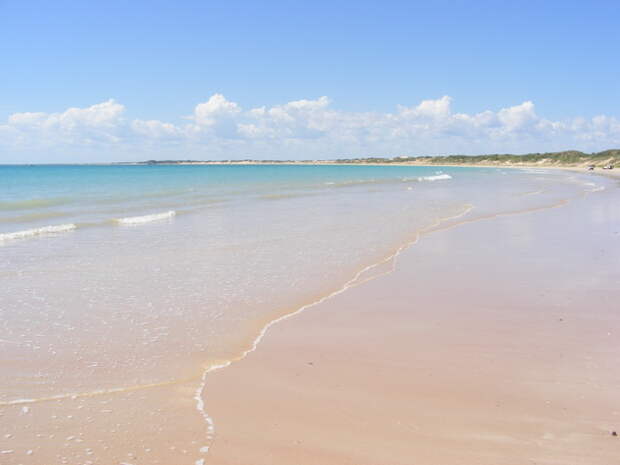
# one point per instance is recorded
(323, 315)
(491, 342)
(310, 233)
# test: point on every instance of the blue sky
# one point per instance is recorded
(159, 60)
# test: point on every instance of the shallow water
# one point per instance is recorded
(121, 285)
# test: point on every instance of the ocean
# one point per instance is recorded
(120, 281)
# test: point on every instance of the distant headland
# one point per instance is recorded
(566, 159)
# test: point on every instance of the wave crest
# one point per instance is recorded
(146, 218)
(54, 229)
(436, 177)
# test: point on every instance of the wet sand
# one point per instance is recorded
(491, 343)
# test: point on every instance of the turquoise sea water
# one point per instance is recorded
(116, 277)
(31, 196)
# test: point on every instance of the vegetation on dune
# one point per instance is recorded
(567, 158)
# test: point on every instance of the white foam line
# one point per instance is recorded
(199, 393)
(146, 218)
(437, 177)
(534, 170)
(198, 396)
(79, 395)
(526, 194)
(27, 233)
(200, 404)
(593, 187)
(352, 281)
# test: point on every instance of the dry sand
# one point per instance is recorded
(492, 343)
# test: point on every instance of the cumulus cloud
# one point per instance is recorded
(214, 109)
(101, 115)
(307, 128)
(154, 129)
(300, 119)
(98, 123)
(517, 117)
(435, 109)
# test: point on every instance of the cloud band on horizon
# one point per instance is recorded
(301, 129)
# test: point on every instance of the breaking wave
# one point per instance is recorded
(436, 177)
(54, 229)
(146, 218)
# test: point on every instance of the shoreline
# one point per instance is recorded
(195, 392)
(442, 225)
(253, 354)
(202, 390)
(578, 167)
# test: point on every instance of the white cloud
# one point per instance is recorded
(436, 109)
(307, 128)
(517, 117)
(27, 119)
(300, 119)
(217, 107)
(74, 126)
(155, 129)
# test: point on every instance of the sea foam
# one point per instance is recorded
(37, 232)
(146, 218)
(436, 177)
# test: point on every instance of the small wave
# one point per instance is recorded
(37, 232)
(436, 177)
(526, 194)
(357, 182)
(146, 218)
